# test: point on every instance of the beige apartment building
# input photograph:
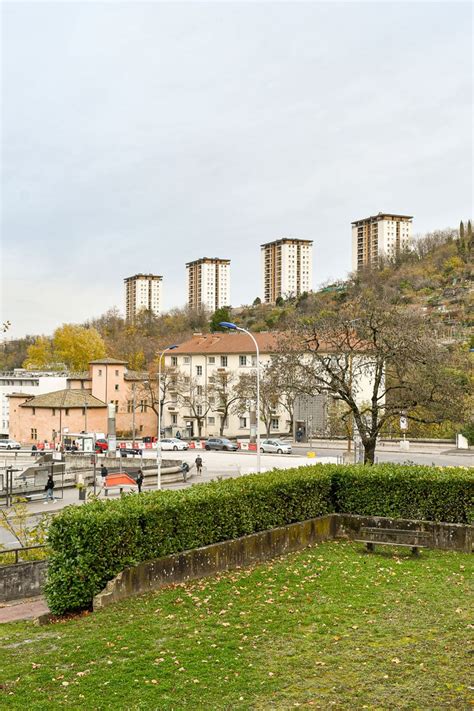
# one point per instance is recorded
(208, 283)
(287, 268)
(142, 293)
(82, 405)
(202, 358)
(382, 235)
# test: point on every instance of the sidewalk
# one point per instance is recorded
(23, 610)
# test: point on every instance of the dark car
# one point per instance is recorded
(221, 443)
(124, 451)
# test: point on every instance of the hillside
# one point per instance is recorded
(436, 276)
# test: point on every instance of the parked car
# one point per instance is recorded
(9, 444)
(173, 443)
(221, 443)
(275, 446)
(129, 450)
(101, 445)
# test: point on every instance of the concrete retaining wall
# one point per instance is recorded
(446, 536)
(228, 555)
(239, 552)
(22, 580)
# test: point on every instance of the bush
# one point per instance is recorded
(405, 491)
(93, 543)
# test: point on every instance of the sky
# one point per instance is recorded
(137, 136)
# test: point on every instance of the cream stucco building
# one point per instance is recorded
(205, 357)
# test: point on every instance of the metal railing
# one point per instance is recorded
(17, 551)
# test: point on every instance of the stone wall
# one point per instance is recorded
(22, 580)
(446, 536)
(237, 553)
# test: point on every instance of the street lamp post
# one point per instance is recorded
(233, 327)
(158, 439)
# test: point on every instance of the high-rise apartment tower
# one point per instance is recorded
(381, 235)
(208, 283)
(142, 292)
(287, 268)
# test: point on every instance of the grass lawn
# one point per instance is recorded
(330, 627)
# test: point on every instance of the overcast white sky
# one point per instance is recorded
(138, 136)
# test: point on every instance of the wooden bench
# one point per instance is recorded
(394, 537)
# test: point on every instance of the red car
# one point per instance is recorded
(101, 445)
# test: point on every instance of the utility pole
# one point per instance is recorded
(133, 415)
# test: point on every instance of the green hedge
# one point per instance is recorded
(405, 491)
(94, 542)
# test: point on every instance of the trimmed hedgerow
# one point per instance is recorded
(405, 491)
(92, 543)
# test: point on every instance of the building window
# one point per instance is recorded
(274, 423)
(66, 411)
(224, 361)
(141, 428)
(174, 419)
(84, 411)
(116, 403)
(34, 433)
(129, 406)
(34, 410)
(186, 359)
(117, 387)
(199, 389)
(174, 360)
(198, 409)
(54, 412)
(143, 405)
(116, 373)
(254, 361)
(199, 370)
(211, 360)
(211, 420)
(100, 371)
(242, 361)
(243, 423)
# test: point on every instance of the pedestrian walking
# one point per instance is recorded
(49, 488)
(185, 470)
(103, 473)
(34, 449)
(198, 463)
(140, 481)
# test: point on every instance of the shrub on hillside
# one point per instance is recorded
(92, 543)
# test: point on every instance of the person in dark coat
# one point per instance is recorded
(49, 488)
(140, 481)
(198, 463)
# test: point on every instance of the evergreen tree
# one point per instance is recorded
(222, 314)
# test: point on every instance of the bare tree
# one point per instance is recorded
(222, 395)
(246, 395)
(193, 396)
(147, 396)
(392, 350)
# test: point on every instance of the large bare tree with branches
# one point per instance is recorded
(371, 339)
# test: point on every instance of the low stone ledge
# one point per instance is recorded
(258, 547)
(226, 555)
(22, 580)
